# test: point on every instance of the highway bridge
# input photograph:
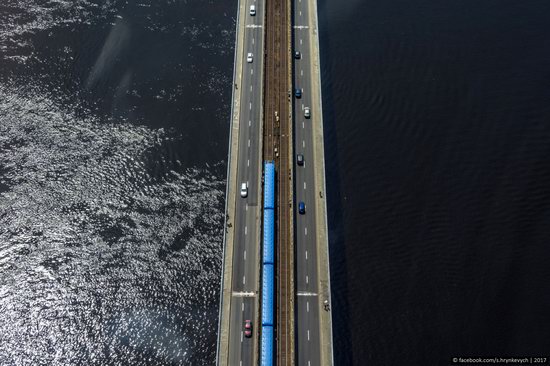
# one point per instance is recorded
(276, 115)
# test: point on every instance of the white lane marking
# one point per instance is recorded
(307, 335)
(245, 230)
(249, 123)
(307, 279)
(307, 306)
(242, 337)
(306, 255)
(253, 26)
(243, 294)
(241, 363)
(248, 142)
(244, 280)
(304, 185)
(303, 144)
(302, 293)
(301, 72)
(245, 255)
(300, 13)
(250, 105)
(303, 125)
(305, 231)
(300, 41)
(308, 363)
(248, 162)
(251, 71)
(252, 40)
(243, 306)
(250, 87)
(246, 207)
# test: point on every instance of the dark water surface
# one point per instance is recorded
(113, 141)
(438, 158)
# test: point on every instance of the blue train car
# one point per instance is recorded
(269, 237)
(268, 284)
(266, 351)
(269, 184)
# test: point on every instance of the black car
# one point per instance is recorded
(300, 159)
(297, 55)
(298, 93)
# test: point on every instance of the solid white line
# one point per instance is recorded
(307, 306)
(306, 255)
(307, 335)
(245, 255)
(243, 294)
(245, 230)
(302, 293)
(305, 230)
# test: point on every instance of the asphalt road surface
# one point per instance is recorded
(244, 299)
(307, 306)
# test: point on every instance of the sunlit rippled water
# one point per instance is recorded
(111, 192)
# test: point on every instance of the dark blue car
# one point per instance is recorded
(298, 93)
(301, 208)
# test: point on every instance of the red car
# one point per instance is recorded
(248, 328)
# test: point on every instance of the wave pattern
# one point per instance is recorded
(111, 195)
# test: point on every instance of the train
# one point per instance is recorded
(268, 266)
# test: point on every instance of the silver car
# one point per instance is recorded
(307, 112)
(244, 190)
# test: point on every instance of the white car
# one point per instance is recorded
(249, 57)
(244, 190)
(252, 10)
(307, 113)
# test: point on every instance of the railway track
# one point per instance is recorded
(277, 147)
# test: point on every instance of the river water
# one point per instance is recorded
(113, 142)
(437, 128)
